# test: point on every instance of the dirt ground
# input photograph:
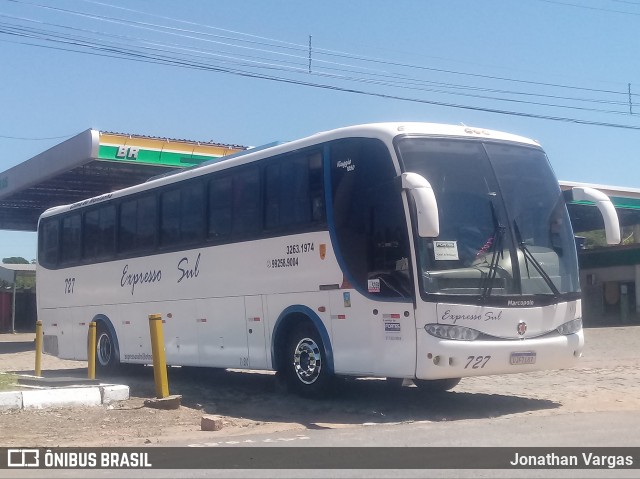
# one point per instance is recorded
(607, 379)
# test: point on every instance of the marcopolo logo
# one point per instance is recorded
(521, 328)
(520, 302)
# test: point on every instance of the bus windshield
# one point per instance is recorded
(504, 226)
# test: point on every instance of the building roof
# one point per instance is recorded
(8, 272)
(18, 267)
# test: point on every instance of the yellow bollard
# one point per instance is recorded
(38, 369)
(159, 358)
(91, 351)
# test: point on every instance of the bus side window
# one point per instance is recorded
(137, 227)
(245, 218)
(182, 214)
(170, 217)
(234, 204)
(316, 188)
(71, 241)
(49, 239)
(293, 192)
(98, 233)
(192, 212)
(219, 208)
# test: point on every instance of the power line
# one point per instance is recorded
(300, 47)
(628, 2)
(155, 52)
(380, 95)
(7, 137)
(293, 46)
(389, 80)
(587, 7)
(410, 81)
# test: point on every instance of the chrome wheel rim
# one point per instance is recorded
(104, 349)
(307, 361)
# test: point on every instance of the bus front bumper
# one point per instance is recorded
(442, 358)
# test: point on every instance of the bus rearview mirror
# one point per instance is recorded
(426, 204)
(607, 210)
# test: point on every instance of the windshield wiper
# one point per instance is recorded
(498, 234)
(529, 258)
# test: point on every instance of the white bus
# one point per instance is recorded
(403, 251)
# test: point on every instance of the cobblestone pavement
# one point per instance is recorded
(607, 378)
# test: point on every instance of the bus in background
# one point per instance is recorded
(396, 250)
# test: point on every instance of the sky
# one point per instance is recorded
(250, 72)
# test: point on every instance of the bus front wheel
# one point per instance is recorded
(306, 369)
(436, 385)
(107, 360)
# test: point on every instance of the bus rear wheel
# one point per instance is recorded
(436, 385)
(107, 360)
(306, 370)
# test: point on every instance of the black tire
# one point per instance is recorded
(436, 385)
(107, 359)
(305, 365)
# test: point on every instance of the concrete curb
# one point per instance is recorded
(63, 397)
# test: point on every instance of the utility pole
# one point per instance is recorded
(310, 55)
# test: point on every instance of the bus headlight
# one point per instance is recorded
(446, 331)
(570, 327)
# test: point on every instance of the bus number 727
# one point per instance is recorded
(479, 362)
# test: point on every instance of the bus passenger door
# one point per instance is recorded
(255, 332)
(351, 333)
(372, 337)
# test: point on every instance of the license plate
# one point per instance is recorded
(527, 357)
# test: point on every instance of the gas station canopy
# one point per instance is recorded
(90, 164)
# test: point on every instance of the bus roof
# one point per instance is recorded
(392, 129)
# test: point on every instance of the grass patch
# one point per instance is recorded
(8, 381)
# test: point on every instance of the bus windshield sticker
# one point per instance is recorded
(445, 250)
(373, 285)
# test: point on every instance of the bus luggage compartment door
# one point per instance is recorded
(255, 332)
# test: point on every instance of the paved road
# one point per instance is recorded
(588, 429)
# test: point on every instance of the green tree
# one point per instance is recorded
(25, 282)
(593, 239)
(15, 260)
